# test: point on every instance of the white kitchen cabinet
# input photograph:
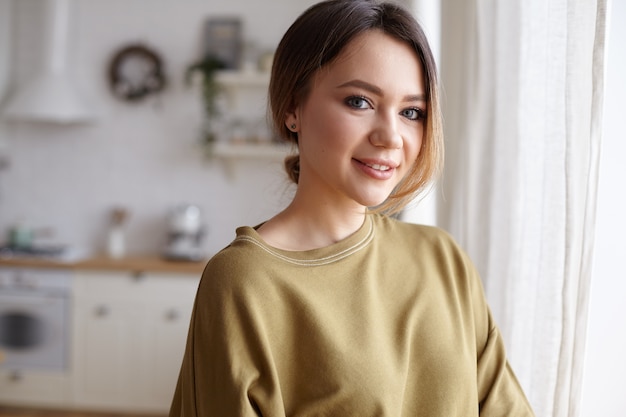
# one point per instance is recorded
(34, 388)
(130, 334)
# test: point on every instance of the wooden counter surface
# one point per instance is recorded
(133, 263)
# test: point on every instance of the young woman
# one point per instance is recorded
(332, 308)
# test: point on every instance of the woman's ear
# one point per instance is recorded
(291, 121)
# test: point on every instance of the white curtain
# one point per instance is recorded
(523, 84)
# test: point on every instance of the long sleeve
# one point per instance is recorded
(225, 369)
(499, 392)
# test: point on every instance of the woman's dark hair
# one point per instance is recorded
(315, 39)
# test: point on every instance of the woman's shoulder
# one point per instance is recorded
(415, 233)
(435, 252)
(233, 265)
(424, 243)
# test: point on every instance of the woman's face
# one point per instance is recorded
(360, 128)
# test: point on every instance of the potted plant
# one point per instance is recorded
(206, 69)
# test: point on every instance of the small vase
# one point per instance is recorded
(116, 245)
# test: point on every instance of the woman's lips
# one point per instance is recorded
(380, 170)
(379, 167)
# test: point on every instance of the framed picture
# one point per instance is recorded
(223, 41)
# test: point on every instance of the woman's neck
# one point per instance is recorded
(306, 225)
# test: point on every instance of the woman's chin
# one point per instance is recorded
(374, 202)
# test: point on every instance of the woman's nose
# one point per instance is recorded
(386, 133)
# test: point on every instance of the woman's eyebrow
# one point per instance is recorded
(378, 91)
(364, 85)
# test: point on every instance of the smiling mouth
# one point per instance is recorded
(378, 167)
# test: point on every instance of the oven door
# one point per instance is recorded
(33, 330)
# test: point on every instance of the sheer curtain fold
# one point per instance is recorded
(523, 91)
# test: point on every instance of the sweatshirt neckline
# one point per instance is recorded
(313, 257)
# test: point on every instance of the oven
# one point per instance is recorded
(34, 319)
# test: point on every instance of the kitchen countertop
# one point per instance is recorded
(134, 263)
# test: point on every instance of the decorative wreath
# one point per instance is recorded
(136, 72)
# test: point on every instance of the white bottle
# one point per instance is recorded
(116, 245)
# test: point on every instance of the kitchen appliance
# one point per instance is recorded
(23, 241)
(185, 234)
(34, 319)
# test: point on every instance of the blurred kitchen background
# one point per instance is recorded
(111, 198)
(125, 197)
(144, 156)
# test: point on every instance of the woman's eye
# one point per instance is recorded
(413, 114)
(357, 102)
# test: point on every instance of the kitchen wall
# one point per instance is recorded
(143, 156)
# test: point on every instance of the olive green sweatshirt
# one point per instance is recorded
(391, 321)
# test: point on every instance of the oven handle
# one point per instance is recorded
(20, 300)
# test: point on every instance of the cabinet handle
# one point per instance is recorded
(102, 311)
(172, 315)
(139, 276)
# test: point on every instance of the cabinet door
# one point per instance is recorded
(168, 342)
(129, 341)
(34, 388)
(112, 355)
